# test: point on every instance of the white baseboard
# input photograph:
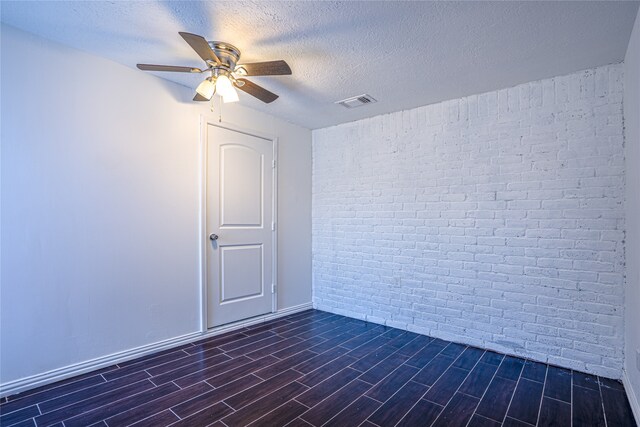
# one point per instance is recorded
(38, 380)
(631, 395)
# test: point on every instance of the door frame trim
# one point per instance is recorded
(206, 120)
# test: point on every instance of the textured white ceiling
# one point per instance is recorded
(405, 54)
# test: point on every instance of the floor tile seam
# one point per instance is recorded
(461, 383)
(571, 403)
(460, 356)
(458, 388)
(22, 421)
(346, 331)
(287, 368)
(390, 397)
(98, 395)
(276, 408)
(396, 392)
(149, 367)
(333, 330)
(406, 344)
(604, 412)
(101, 374)
(108, 403)
(193, 363)
(309, 331)
(200, 370)
(557, 400)
(610, 388)
(436, 355)
(151, 401)
(585, 388)
(200, 411)
(345, 408)
(418, 401)
(431, 339)
(229, 350)
(319, 354)
(251, 373)
(212, 341)
(145, 418)
(214, 402)
(246, 354)
(297, 401)
(327, 379)
(364, 381)
(520, 421)
(255, 400)
(323, 332)
(327, 397)
(277, 351)
(38, 402)
(479, 416)
(544, 385)
(514, 393)
(172, 361)
(439, 376)
(309, 373)
(171, 410)
(214, 338)
(363, 344)
(294, 420)
(304, 349)
(386, 376)
(374, 365)
(484, 392)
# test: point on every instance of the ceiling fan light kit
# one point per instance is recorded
(206, 89)
(221, 60)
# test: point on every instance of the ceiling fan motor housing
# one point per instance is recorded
(227, 53)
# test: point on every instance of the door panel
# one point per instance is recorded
(241, 272)
(240, 212)
(242, 186)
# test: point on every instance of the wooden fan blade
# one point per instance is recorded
(258, 91)
(173, 68)
(201, 46)
(269, 68)
(199, 97)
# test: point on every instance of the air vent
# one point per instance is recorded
(357, 101)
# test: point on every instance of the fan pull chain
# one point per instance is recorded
(219, 108)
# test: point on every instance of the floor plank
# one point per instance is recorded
(423, 413)
(394, 409)
(458, 412)
(526, 401)
(587, 407)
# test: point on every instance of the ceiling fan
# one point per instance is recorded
(222, 62)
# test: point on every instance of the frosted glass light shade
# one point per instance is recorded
(206, 89)
(225, 89)
(232, 96)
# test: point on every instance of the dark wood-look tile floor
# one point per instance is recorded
(320, 369)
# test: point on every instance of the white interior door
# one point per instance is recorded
(239, 215)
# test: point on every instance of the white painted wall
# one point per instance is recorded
(632, 210)
(100, 207)
(495, 220)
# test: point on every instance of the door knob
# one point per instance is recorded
(213, 236)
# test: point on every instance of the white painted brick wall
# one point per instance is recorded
(494, 220)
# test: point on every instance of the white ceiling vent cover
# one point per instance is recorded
(357, 101)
